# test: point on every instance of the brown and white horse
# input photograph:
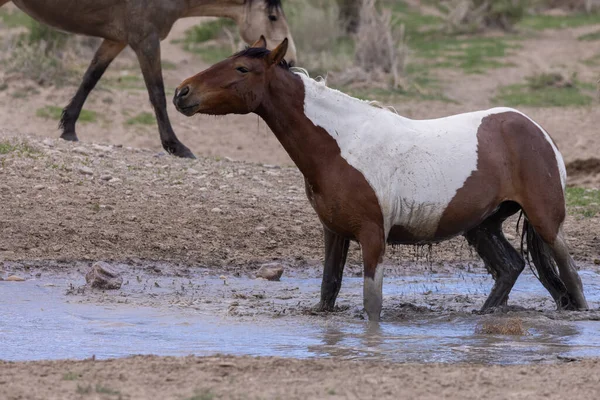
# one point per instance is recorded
(379, 178)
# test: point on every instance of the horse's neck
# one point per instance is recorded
(216, 8)
(309, 146)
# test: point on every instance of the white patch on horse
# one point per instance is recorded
(414, 167)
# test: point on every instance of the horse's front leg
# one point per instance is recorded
(336, 250)
(148, 53)
(372, 243)
(104, 56)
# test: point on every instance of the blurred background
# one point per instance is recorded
(425, 58)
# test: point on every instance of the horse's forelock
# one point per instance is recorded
(258, 52)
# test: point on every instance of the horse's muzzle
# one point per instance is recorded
(181, 101)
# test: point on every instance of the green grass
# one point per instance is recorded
(593, 60)
(15, 19)
(590, 36)
(23, 147)
(144, 118)
(584, 202)
(524, 95)
(541, 22)
(202, 395)
(55, 113)
(196, 38)
(70, 376)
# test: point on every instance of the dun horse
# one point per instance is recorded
(379, 178)
(142, 24)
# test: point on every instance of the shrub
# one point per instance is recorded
(469, 16)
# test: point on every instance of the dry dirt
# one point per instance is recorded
(239, 205)
(270, 378)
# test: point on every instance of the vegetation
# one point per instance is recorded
(55, 113)
(469, 16)
(545, 90)
(144, 118)
(583, 202)
(18, 147)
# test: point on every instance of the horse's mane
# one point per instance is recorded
(259, 52)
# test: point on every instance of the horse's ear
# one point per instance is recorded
(277, 54)
(260, 43)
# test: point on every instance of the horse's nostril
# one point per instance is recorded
(184, 92)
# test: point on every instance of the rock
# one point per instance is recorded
(48, 142)
(597, 261)
(106, 177)
(103, 276)
(114, 180)
(271, 272)
(39, 187)
(192, 171)
(216, 210)
(14, 278)
(85, 170)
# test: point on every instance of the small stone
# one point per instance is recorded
(260, 228)
(106, 177)
(85, 170)
(271, 272)
(114, 180)
(509, 236)
(216, 210)
(192, 171)
(39, 187)
(48, 142)
(597, 261)
(15, 278)
(103, 276)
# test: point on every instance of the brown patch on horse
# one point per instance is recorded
(515, 162)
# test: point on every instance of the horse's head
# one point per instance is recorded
(266, 18)
(236, 85)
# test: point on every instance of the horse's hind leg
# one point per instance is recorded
(105, 54)
(148, 53)
(499, 256)
(336, 250)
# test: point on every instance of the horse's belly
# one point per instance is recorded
(93, 18)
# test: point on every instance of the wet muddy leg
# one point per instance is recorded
(336, 250)
(500, 258)
(373, 247)
(104, 56)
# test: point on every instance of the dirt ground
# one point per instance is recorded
(149, 377)
(116, 197)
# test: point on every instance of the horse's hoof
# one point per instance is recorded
(69, 136)
(179, 150)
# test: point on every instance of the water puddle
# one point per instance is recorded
(39, 321)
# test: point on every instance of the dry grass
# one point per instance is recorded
(470, 16)
(379, 47)
(501, 326)
(587, 6)
(45, 55)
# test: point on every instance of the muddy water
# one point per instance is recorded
(427, 318)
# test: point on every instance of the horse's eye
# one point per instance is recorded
(273, 18)
(243, 70)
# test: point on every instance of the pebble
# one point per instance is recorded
(216, 210)
(597, 261)
(39, 187)
(48, 142)
(85, 170)
(114, 180)
(271, 271)
(106, 177)
(192, 171)
(15, 278)
(103, 276)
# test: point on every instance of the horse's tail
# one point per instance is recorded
(540, 253)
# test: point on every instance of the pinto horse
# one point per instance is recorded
(378, 178)
(142, 24)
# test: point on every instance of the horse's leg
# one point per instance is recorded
(148, 53)
(372, 243)
(336, 250)
(501, 259)
(105, 54)
(546, 244)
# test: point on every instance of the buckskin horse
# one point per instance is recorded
(378, 178)
(142, 24)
